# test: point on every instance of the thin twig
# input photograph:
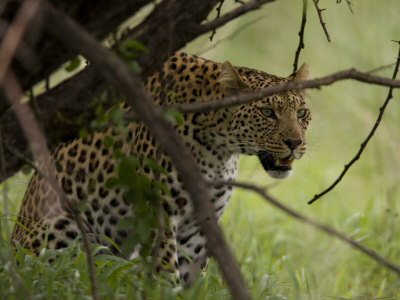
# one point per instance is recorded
(248, 6)
(378, 69)
(218, 15)
(230, 36)
(22, 157)
(323, 24)
(248, 97)
(322, 227)
(38, 146)
(301, 35)
(15, 34)
(349, 4)
(367, 139)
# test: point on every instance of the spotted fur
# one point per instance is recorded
(272, 128)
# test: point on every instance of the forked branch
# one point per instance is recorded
(364, 144)
(248, 6)
(316, 83)
(322, 227)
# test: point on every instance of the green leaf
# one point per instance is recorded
(173, 115)
(108, 141)
(155, 166)
(83, 133)
(73, 64)
(127, 170)
(134, 66)
(113, 183)
(133, 45)
(116, 115)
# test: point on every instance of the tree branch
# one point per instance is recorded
(73, 97)
(323, 24)
(218, 15)
(301, 35)
(248, 97)
(40, 152)
(322, 227)
(367, 139)
(48, 53)
(248, 6)
(14, 35)
(117, 73)
(27, 119)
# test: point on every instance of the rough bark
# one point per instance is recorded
(167, 28)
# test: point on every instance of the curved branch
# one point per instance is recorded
(301, 35)
(248, 6)
(248, 97)
(322, 227)
(367, 139)
(323, 24)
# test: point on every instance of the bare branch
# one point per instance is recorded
(323, 24)
(230, 36)
(301, 35)
(367, 139)
(378, 69)
(118, 74)
(322, 227)
(14, 35)
(248, 6)
(248, 97)
(27, 119)
(218, 15)
(39, 149)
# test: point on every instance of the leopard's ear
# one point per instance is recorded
(303, 73)
(231, 81)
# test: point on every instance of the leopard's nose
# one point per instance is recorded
(292, 144)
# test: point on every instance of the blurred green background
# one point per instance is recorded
(299, 261)
(280, 257)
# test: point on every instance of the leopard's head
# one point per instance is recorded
(273, 127)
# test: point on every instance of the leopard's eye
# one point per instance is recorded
(268, 112)
(301, 113)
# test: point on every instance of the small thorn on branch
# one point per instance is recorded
(301, 35)
(218, 15)
(323, 24)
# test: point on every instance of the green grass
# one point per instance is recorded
(279, 257)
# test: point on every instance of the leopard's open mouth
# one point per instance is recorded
(276, 167)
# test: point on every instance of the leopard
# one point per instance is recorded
(272, 128)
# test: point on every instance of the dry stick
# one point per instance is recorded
(14, 35)
(381, 68)
(248, 6)
(40, 152)
(8, 49)
(218, 14)
(248, 97)
(120, 76)
(367, 139)
(27, 119)
(312, 222)
(349, 4)
(323, 24)
(301, 35)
